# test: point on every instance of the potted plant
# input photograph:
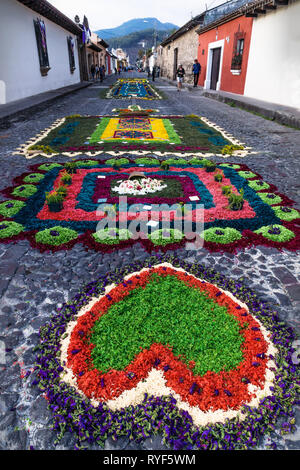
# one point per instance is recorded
(236, 201)
(70, 167)
(226, 190)
(62, 190)
(66, 178)
(54, 199)
(210, 167)
(218, 177)
(236, 62)
(165, 165)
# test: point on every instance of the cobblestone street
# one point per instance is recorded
(34, 284)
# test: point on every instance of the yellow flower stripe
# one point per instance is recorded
(157, 128)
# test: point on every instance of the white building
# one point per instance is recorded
(122, 57)
(273, 72)
(38, 49)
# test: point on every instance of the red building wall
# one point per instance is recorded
(229, 82)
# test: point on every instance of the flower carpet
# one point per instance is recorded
(208, 366)
(125, 88)
(131, 132)
(117, 203)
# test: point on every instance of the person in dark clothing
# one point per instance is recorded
(180, 76)
(153, 73)
(196, 72)
(93, 71)
(101, 73)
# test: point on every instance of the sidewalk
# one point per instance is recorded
(31, 103)
(285, 115)
(275, 112)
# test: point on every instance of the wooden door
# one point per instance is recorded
(175, 63)
(215, 68)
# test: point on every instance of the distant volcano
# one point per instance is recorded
(135, 25)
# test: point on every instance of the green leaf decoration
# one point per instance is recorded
(169, 312)
(55, 236)
(9, 228)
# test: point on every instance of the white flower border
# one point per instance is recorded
(155, 383)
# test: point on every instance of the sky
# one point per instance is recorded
(104, 14)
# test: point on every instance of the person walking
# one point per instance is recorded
(180, 76)
(93, 71)
(101, 73)
(153, 73)
(196, 72)
(97, 72)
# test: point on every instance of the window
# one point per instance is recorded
(41, 40)
(71, 47)
(240, 46)
(238, 49)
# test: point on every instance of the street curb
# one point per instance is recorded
(282, 117)
(56, 94)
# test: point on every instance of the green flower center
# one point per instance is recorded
(169, 312)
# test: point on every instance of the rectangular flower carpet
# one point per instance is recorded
(126, 88)
(57, 205)
(141, 132)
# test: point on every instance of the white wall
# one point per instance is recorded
(19, 61)
(273, 73)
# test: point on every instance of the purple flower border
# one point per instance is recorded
(92, 425)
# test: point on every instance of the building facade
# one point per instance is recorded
(223, 53)
(179, 48)
(273, 72)
(38, 49)
(253, 50)
(122, 58)
(96, 52)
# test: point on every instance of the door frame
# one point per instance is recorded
(211, 47)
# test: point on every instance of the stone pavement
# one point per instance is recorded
(33, 284)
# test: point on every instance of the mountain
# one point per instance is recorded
(131, 43)
(132, 26)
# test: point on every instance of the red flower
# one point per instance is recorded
(179, 377)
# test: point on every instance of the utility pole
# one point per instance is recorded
(155, 35)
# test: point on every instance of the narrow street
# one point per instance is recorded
(33, 283)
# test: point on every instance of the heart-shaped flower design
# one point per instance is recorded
(165, 332)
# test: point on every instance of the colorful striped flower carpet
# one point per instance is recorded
(117, 203)
(131, 132)
(126, 88)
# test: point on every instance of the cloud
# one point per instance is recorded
(115, 12)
